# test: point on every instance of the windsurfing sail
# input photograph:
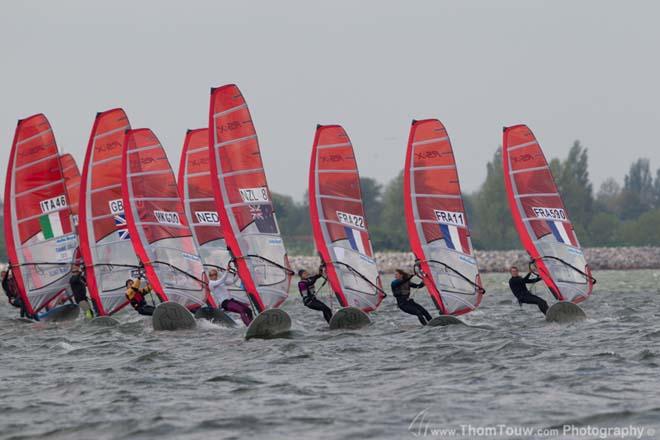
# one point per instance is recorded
(72, 181)
(437, 224)
(197, 193)
(243, 200)
(541, 219)
(104, 238)
(40, 237)
(338, 221)
(157, 223)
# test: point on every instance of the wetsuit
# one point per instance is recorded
(78, 285)
(224, 298)
(13, 296)
(308, 293)
(135, 296)
(518, 286)
(401, 291)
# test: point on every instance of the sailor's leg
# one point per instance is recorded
(533, 299)
(231, 305)
(422, 310)
(411, 308)
(24, 311)
(315, 304)
(146, 310)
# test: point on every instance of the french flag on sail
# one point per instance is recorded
(560, 232)
(356, 239)
(452, 237)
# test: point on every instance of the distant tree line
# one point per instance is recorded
(616, 215)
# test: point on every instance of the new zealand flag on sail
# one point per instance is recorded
(264, 218)
(122, 226)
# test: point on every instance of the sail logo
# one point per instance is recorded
(191, 257)
(525, 157)
(334, 158)
(199, 162)
(31, 151)
(110, 146)
(550, 213)
(433, 154)
(167, 217)
(54, 204)
(351, 219)
(207, 217)
(116, 206)
(230, 126)
(252, 195)
(450, 217)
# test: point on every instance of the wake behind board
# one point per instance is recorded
(216, 316)
(444, 320)
(104, 321)
(172, 316)
(564, 312)
(269, 324)
(349, 318)
(66, 312)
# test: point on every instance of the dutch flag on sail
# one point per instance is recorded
(354, 237)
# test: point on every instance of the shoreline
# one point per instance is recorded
(599, 258)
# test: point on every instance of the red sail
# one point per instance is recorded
(196, 190)
(339, 223)
(243, 200)
(72, 180)
(104, 239)
(437, 222)
(157, 222)
(40, 237)
(541, 219)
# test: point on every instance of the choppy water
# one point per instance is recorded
(392, 380)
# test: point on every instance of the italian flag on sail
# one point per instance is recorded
(52, 225)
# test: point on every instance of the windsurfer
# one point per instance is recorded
(401, 289)
(518, 286)
(11, 290)
(136, 296)
(220, 289)
(308, 293)
(78, 285)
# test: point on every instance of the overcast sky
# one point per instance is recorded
(569, 69)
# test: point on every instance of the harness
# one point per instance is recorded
(135, 297)
(309, 292)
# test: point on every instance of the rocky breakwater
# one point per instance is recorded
(620, 258)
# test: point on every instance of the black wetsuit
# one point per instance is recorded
(401, 291)
(518, 286)
(308, 293)
(14, 297)
(78, 285)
